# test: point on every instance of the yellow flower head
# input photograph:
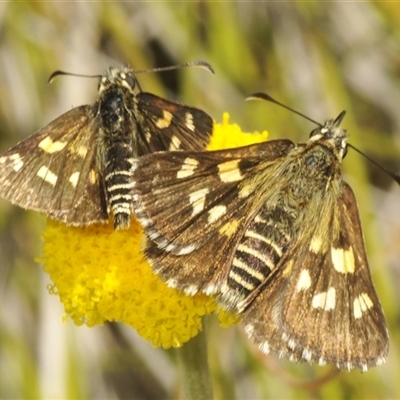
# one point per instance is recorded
(101, 275)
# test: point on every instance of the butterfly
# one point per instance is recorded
(77, 168)
(274, 232)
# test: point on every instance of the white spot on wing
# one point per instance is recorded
(304, 281)
(343, 260)
(74, 178)
(321, 362)
(16, 161)
(165, 120)
(189, 121)
(191, 290)
(361, 303)
(81, 151)
(264, 347)
(249, 329)
(51, 147)
(188, 168)
(307, 355)
(215, 213)
(175, 143)
(48, 176)
(325, 300)
(147, 135)
(197, 200)
(245, 191)
(315, 245)
(186, 250)
(229, 171)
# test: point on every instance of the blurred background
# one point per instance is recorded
(318, 58)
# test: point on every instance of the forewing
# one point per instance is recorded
(54, 170)
(320, 304)
(195, 205)
(167, 125)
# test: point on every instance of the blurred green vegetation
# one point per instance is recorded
(318, 57)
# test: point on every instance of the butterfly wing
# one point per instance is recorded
(167, 125)
(319, 304)
(54, 170)
(185, 231)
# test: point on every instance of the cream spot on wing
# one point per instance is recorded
(188, 168)
(49, 146)
(304, 281)
(215, 213)
(81, 151)
(16, 159)
(315, 245)
(92, 176)
(343, 260)
(189, 121)
(48, 176)
(147, 135)
(361, 303)
(307, 355)
(175, 143)
(165, 120)
(197, 200)
(229, 171)
(288, 268)
(74, 178)
(245, 191)
(229, 228)
(325, 300)
(264, 347)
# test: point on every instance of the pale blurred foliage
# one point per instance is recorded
(319, 58)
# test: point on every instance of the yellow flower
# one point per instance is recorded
(101, 275)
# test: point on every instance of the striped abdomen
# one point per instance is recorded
(118, 143)
(257, 254)
(118, 183)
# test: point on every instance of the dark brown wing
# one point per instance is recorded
(320, 304)
(185, 231)
(167, 125)
(54, 170)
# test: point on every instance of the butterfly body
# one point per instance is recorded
(77, 169)
(273, 231)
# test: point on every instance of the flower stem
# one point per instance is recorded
(193, 368)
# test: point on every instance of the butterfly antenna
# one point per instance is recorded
(267, 97)
(396, 177)
(58, 73)
(196, 64)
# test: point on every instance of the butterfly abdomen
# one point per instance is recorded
(257, 254)
(117, 147)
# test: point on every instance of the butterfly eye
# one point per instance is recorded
(131, 81)
(310, 161)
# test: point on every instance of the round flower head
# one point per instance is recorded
(101, 274)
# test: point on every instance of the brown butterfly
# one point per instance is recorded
(77, 168)
(272, 230)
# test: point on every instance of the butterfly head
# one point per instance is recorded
(333, 134)
(121, 77)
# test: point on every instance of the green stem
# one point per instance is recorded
(194, 370)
